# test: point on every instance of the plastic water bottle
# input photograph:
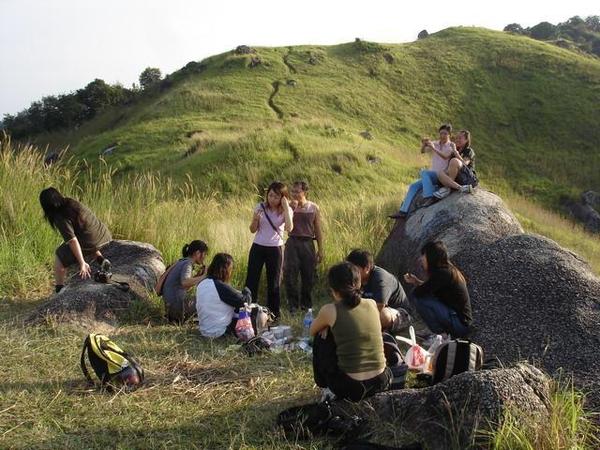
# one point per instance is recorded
(308, 320)
(243, 327)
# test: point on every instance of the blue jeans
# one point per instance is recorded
(428, 183)
(439, 317)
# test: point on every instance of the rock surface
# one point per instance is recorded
(448, 414)
(531, 298)
(89, 304)
(460, 220)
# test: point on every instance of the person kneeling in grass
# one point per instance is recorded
(217, 302)
(442, 300)
(348, 357)
(84, 235)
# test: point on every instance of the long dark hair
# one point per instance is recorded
(193, 247)
(344, 278)
(279, 188)
(221, 267)
(56, 205)
(437, 258)
(467, 135)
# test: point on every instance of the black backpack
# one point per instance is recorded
(454, 357)
(395, 361)
(110, 363)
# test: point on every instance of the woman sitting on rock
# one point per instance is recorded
(271, 219)
(84, 235)
(442, 300)
(217, 303)
(461, 168)
(179, 307)
(348, 357)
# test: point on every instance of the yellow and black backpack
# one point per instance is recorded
(110, 363)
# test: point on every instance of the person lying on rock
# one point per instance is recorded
(84, 235)
(441, 151)
(178, 306)
(271, 219)
(383, 287)
(461, 168)
(300, 259)
(348, 356)
(442, 300)
(217, 302)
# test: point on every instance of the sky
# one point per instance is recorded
(51, 47)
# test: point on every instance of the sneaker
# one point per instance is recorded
(398, 215)
(466, 189)
(327, 395)
(442, 192)
(428, 202)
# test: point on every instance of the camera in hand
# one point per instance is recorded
(102, 276)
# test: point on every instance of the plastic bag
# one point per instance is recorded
(416, 356)
(243, 327)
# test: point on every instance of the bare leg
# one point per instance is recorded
(447, 179)
(387, 316)
(60, 272)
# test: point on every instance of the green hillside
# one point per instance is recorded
(533, 109)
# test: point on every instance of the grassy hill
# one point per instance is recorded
(193, 155)
(533, 110)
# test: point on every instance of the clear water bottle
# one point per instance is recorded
(308, 320)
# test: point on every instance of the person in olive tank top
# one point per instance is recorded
(348, 357)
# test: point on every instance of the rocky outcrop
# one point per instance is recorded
(460, 221)
(586, 211)
(89, 303)
(454, 414)
(531, 298)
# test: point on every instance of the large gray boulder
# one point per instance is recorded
(454, 413)
(533, 299)
(90, 304)
(460, 220)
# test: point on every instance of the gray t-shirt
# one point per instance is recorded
(383, 287)
(173, 291)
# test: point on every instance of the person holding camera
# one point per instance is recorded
(179, 307)
(84, 235)
(300, 256)
(271, 219)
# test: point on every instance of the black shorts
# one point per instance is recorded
(66, 256)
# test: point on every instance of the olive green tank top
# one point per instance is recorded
(357, 334)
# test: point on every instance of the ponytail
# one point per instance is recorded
(344, 279)
(193, 247)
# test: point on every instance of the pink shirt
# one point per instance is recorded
(266, 235)
(437, 162)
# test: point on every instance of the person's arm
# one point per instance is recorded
(288, 214)
(188, 281)
(232, 296)
(325, 319)
(319, 234)
(379, 292)
(84, 268)
(255, 220)
(447, 155)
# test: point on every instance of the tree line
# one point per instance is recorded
(55, 112)
(583, 34)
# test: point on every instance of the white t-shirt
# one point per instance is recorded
(437, 162)
(214, 315)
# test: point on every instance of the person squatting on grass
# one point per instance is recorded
(442, 151)
(348, 356)
(461, 168)
(271, 219)
(442, 300)
(217, 302)
(383, 287)
(300, 257)
(179, 307)
(84, 235)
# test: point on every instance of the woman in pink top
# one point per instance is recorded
(441, 153)
(272, 218)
